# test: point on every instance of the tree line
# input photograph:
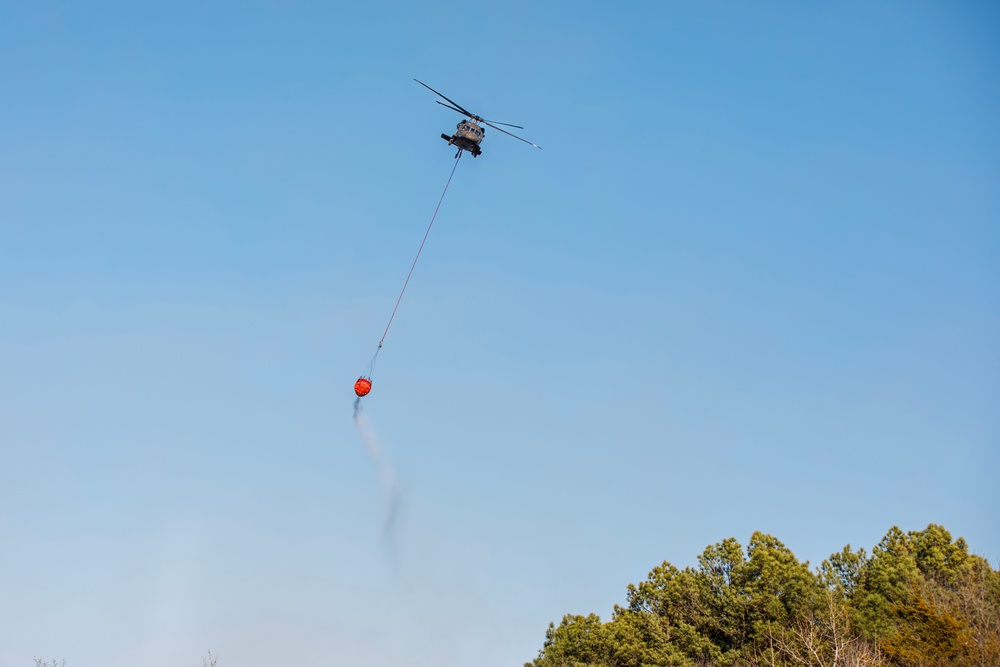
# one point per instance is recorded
(919, 599)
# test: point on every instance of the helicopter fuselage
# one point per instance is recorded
(468, 135)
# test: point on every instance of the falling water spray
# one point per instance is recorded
(388, 482)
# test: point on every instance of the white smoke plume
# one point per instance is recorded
(388, 483)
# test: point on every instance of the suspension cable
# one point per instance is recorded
(419, 250)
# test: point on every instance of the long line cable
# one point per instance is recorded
(413, 266)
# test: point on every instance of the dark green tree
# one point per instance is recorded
(576, 641)
(919, 600)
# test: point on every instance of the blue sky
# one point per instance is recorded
(751, 282)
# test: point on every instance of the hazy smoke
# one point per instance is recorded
(388, 484)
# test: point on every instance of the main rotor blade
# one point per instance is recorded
(448, 106)
(496, 122)
(457, 105)
(500, 129)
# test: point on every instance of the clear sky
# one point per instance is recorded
(751, 282)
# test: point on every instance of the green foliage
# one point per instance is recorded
(780, 587)
(842, 570)
(637, 639)
(919, 600)
(579, 640)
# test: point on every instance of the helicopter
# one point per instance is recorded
(469, 133)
